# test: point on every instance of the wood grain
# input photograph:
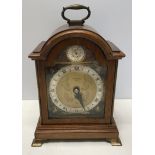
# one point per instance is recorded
(46, 54)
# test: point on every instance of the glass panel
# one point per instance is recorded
(76, 90)
(76, 87)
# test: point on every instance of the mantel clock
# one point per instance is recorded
(76, 72)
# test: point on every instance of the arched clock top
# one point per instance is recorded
(110, 51)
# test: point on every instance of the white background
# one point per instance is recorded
(110, 18)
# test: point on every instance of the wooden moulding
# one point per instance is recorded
(86, 132)
(110, 50)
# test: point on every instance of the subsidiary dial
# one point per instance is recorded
(75, 53)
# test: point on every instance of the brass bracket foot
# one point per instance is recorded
(115, 141)
(37, 143)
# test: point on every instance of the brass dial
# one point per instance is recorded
(76, 88)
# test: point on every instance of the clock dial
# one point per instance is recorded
(75, 53)
(76, 89)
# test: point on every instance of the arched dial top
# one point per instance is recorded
(76, 89)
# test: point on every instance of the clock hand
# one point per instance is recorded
(78, 96)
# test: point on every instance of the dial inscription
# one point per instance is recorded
(76, 89)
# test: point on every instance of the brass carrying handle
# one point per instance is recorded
(75, 7)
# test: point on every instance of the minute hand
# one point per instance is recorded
(79, 97)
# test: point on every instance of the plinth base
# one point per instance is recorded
(72, 132)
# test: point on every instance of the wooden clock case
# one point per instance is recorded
(45, 55)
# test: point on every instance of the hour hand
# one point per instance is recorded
(78, 96)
